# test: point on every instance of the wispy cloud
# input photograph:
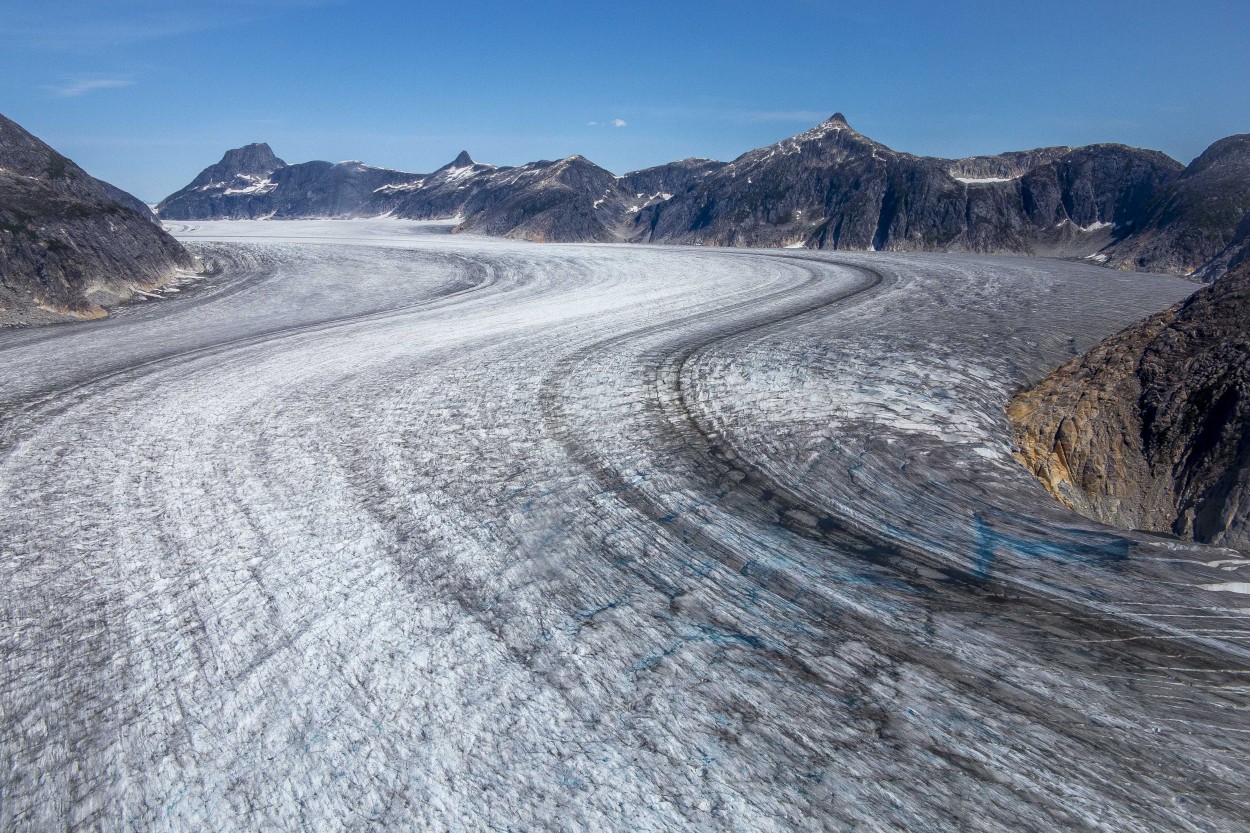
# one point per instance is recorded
(618, 122)
(592, 123)
(89, 85)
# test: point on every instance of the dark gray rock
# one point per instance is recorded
(251, 183)
(651, 186)
(570, 200)
(833, 188)
(69, 243)
(1200, 222)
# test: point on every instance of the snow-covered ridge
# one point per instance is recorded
(456, 174)
(401, 186)
(242, 184)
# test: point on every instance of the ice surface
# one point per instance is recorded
(382, 527)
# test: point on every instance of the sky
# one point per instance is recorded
(146, 93)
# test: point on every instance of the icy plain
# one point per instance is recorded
(381, 527)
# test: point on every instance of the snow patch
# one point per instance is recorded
(401, 186)
(983, 180)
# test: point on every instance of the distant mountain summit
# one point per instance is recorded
(70, 243)
(833, 188)
(255, 160)
(829, 187)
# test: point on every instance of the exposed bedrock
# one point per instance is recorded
(1151, 429)
(71, 244)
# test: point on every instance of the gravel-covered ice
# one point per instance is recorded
(381, 527)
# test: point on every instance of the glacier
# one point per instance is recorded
(378, 526)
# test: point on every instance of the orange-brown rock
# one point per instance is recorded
(1151, 429)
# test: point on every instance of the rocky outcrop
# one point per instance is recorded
(1199, 222)
(69, 243)
(652, 186)
(1151, 429)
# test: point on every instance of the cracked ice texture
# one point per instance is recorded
(382, 528)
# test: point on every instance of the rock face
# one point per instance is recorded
(833, 188)
(1199, 222)
(830, 188)
(1151, 429)
(570, 200)
(69, 242)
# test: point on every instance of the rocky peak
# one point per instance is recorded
(462, 161)
(1231, 151)
(256, 159)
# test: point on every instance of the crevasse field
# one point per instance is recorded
(384, 528)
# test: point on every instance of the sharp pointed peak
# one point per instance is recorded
(837, 119)
(462, 161)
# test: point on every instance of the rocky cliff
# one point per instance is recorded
(1197, 223)
(1151, 429)
(69, 243)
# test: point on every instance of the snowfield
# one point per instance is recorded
(381, 527)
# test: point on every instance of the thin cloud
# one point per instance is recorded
(618, 122)
(89, 85)
(592, 124)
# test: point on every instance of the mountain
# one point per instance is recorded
(833, 188)
(570, 200)
(68, 241)
(1151, 429)
(1200, 222)
(252, 183)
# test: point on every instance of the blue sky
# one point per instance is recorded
(145, 93)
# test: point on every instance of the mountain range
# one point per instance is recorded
(827, 188)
